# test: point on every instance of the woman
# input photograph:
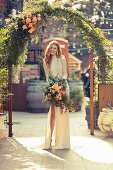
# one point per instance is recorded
(55, 66)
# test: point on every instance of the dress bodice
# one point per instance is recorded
(58, 68)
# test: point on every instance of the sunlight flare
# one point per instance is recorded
(90, 148)
(93, 149)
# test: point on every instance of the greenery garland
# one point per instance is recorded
(14, 37)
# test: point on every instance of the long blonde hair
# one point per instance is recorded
(48, 56)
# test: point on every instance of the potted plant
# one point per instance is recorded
(105, 121)
(76, 95)
(96, 113)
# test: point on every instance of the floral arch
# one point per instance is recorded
(15, 35)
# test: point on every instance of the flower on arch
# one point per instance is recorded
(28, 20)
(34, 23)
(34, 19)
(38, 17)
(31, 30)
(24, 27)
(29, 15)
(30, 24)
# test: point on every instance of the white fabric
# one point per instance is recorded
(58, 68)
(61, 132)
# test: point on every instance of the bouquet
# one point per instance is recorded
(56, 94)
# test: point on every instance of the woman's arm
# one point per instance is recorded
(46, 71)
(64, 68)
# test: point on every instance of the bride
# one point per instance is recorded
(58, 124)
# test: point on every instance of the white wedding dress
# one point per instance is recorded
(61, 132)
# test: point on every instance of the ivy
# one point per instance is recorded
(15, 35)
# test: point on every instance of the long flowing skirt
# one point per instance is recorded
(61, 130)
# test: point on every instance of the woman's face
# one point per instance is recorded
(53, 49)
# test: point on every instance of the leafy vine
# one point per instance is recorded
(15, 35)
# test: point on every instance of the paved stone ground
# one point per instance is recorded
(23, 151)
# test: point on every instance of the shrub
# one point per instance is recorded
(77, 95)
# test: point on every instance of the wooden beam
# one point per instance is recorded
(10, 102)
(91, 97)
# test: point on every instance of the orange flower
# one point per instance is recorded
(58, 97)
(29, 15)
(30, 24)
(28, 20)
(59, 91)
(62, 91)
(24, 27)
(34, 23)
(34, 19)
(31, 30)
(61, 86)
(38, 17)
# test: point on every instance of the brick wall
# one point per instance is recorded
(2, 3)
(30, 71)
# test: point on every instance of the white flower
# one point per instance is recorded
(55, 86)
